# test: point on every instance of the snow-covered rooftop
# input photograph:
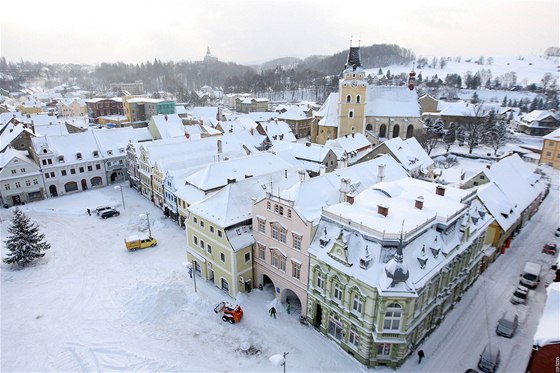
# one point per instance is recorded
(548, 330)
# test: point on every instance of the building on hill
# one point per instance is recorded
(209, 57)
(389, 264)
(539, 122)
(136, 88)
(378, 112)
(550, 153)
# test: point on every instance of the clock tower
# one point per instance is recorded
(352, 95)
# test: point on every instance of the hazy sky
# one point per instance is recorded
(81, 31)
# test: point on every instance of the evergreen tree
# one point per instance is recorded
(495, 133)
(474, 98)
(25, 243)
(534, 104)
(504, 103)
(450, 136)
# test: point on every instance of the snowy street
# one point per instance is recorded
(89, 305)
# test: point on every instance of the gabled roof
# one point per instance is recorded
(168, 125)
(308, 152)
(69, 146)
(502, 209)
(409, 153)
(233, 203)
(391, 102)
(329, 111)
(293, 113)
(278, 130)
(547, 331)
(538, 115)
(554, 135)
(11, 153)
(115, 139)
(216, 175)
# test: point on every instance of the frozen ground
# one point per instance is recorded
(89, 305)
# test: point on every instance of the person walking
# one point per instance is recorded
(288, 307)
(89, 212)
(420, 356)
(272, 312)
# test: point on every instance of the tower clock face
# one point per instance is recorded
(354, 83)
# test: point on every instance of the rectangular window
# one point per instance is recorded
(211, 229)
(289, 213)
(209, 249)
(282, 263)
(383, 349)
(89, 168)
(72, 171)
(219, 233)
(14, 171)
(279, 209)
(353, 338)
(202, 244)
(275, 232)
(297, 242)
(335, 328)
(357, 303)
(337, 292)
(274, 259)
(35, 182)
(7, 186)
(247, 257)
(18, 184)
(320, 281)
(201, 224)
(222, 257)
(548, 154)
(28, 182)
(262, 251)
(296, 270)
(52, 174)
(195, 240)
(49, 161)
(195, 220)
(261, 225)
(44, 161)
(63, 172)
(47, 175)
(98, 167)
(283, 235)
(268, 205)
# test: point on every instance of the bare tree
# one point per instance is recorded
(473, 126)
(495, 133)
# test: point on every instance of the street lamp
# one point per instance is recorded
(147, 216)
(279, 360)
(122, 195)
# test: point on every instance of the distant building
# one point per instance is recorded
(20, 179)
(98, 107)
(550, 153)
(71, 107)
(209, 57)
(248, 105)
(539, 122)
(136, 88)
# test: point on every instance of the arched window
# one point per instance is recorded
(358, 98)
(396, 131)
(369, 127)
(348, 98)
(409, 131)
(71, 186)
(382, 131)
(392, 317)
(351, 114)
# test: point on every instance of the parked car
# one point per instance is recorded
(507, 325)
(489, 359)
(520, 295)
(550, 248)
(139, 241)
(109, 213)
(531, 275)
(557, 232)
(100, 209)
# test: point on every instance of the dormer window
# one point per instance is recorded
(121, 150)
(45, 151)
(61, 158)
(109, 152)
(79, 155)
(95, 154)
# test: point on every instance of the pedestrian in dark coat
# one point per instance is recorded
(288, 307)
(420, 356)
(88, 212)
(272, 312)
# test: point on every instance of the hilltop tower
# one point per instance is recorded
(352, 95)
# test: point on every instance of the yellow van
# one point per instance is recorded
(139, 241)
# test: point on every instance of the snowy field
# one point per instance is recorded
(89, 305)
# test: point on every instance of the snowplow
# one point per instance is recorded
(231, 313)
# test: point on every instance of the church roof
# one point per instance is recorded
(353, 57)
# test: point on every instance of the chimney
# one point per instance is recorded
(350, 199)
(488, 166)
(219, 143)
(440, 190)
(230, 180)
(323, 170)
(344, 189)
(301, 174)
(381, 173)
(383, 209)
(419, 202)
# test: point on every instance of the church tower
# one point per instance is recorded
(352, 95)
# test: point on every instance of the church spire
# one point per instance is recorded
(353, 57)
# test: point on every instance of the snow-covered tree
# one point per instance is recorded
(433, 131)
(450, 136)
(473, 129)
(25, 243)
(495, 133)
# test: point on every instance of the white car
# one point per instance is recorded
(520, 295)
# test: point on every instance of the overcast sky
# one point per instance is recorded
(81, 31)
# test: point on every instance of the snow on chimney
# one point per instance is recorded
(383, 209)
(381, 173)
(419, 202)
(440, 190)
(344, 189)
(301, 173)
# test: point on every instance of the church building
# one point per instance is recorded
(379, 112)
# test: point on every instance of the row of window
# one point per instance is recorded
(279, 209)
(349, 99)
(17, 184)
(279, 233)
(211, 228)
(51, 175)
(14, 171)
(204, 246)
(278, 260)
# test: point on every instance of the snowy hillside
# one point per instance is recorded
(528, 69)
